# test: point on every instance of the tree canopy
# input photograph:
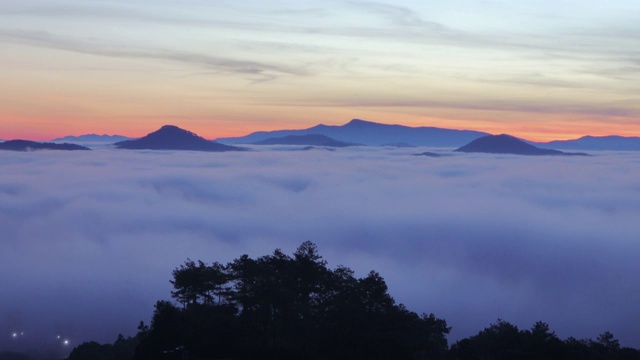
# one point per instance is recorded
(281, 306)
(504, 341)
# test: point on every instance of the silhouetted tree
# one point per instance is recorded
(503, 341)
(606, 342)
(92, 351)
(197, 282)
(281, 306)
(122, 349)
(293, 307)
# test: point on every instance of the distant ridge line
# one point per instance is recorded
(358, 131)
(92, 138)
(371, 133)
(27, 145)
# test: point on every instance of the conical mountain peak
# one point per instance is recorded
(507, 144)
(171, 137)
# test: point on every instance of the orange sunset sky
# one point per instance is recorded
(540, 70)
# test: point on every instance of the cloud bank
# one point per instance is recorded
(88, 241)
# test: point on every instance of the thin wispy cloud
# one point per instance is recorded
(397, 15)
(623, 110)
(85, 46)
(404, 24)
(400, 24)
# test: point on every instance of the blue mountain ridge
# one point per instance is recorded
(507, 144)
(94, 138)
(27, 145)
(371, 133)
(376, 134)
(310, 139)
(611, 142)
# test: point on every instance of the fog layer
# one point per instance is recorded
(88, 240)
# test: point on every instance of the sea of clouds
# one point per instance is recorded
(88, 240)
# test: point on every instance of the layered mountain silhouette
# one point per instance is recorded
(311, 139)
(371, 133)
(93, 138)
(171, 137)
(429, 154)
(26, 145)
(507, 144)
(612, 142)
(355, 132)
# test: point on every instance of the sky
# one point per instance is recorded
(536, 69)
(89, 239)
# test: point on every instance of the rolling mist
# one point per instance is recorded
(89, 239)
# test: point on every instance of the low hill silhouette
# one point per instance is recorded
(27, 145)
(171, 137)
(429, 154)
(310, 139)
(507, 144)
(94, 138)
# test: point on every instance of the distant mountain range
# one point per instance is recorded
(507, 144)
(92, 138)
(612, 142)
(310, 139)
(26, 145)
(368, 133)
(170, 137)
(371, 133)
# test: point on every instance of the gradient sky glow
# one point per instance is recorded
(537, 69)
